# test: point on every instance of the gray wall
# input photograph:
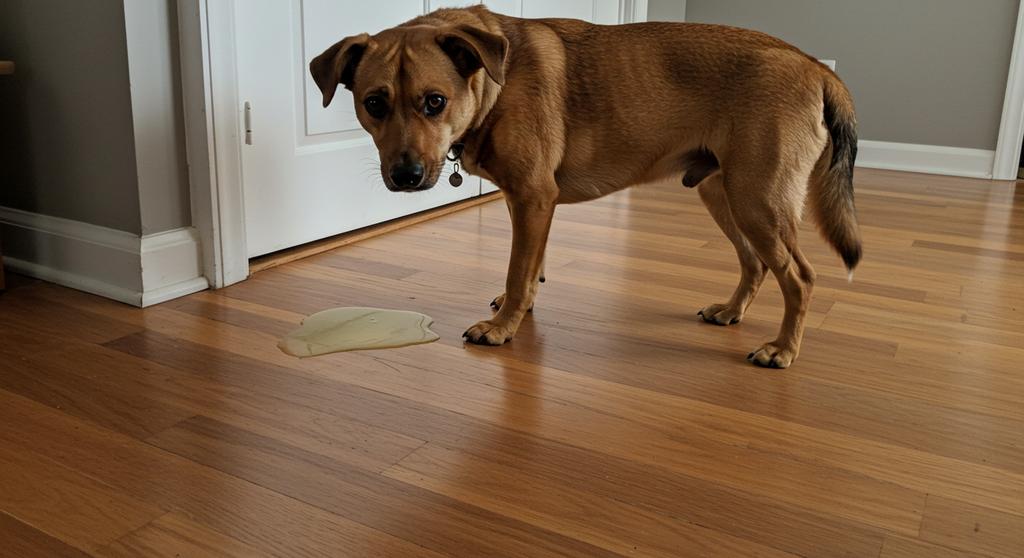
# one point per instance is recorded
(91, 125)
(66, 146)
(666, 10)
(921, 71)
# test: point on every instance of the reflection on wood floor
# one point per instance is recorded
(616, 423)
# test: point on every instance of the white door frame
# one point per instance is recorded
(210, 99)
(209, 82)
(1011, 126)
(633, 11)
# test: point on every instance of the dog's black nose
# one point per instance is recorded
(407, 175)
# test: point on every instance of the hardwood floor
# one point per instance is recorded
(615, 423)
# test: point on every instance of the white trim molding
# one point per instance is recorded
(140, 271)
(1011, 126)
(73, 280)
(633, 11)
(209, 85)
(86, 257)
(172, 265)
(929, 159)
(103, 237)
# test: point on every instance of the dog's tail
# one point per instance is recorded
(831, 188)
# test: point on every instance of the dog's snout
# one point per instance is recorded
(407, 174)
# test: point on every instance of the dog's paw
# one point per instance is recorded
(488, 332)
(500, 299)
(771, 355)
(720, 314)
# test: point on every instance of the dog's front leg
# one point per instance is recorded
(531, 221)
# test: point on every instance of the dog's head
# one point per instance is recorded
(416, 89)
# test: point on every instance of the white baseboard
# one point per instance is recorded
(176, 290)
(87, 257)
(172, 265)
(74, 280)
(929, 159)
(139, 271)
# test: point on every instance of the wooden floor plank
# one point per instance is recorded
(24, 541)
(59, 379)
(434, 521)
(256, 516)
(900, 547)
(606, 522)
(974, 528)
(790, 528)
(173, 536)
(264, 412)
(66, 504)
(26, 310)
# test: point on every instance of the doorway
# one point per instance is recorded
(307, 172)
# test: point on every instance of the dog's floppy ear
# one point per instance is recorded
(471, 48)
(338, 64)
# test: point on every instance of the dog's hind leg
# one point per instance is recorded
(766, 208)
(752, 269)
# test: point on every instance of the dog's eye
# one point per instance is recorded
(434, 104)
(376, 106)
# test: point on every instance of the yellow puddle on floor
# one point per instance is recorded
(356, 329)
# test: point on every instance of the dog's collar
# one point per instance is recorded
(455, 151)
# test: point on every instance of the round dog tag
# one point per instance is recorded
(455, 179)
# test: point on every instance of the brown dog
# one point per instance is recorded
(562, 111)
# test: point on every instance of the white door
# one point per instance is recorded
(596, 11)
(310, 172)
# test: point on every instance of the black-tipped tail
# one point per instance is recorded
(832, 190)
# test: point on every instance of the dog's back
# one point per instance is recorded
(679, 85)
